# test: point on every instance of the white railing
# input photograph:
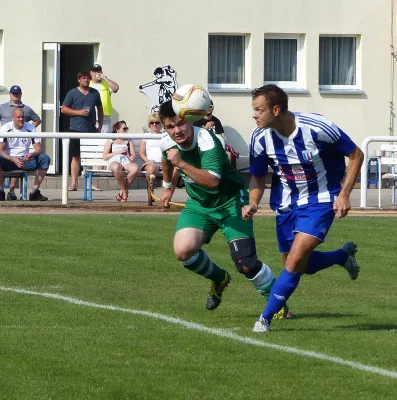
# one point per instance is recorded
(364, 171)
(65, 146)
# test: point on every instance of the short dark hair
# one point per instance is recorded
(274, 95)
(81, 74)
(166, 110)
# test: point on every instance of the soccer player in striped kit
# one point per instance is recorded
(307, 154)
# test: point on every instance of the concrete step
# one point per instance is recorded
(55, 182)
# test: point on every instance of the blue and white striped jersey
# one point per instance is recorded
(308, 166)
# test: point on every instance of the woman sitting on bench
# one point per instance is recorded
(150, 151)
(120, 155)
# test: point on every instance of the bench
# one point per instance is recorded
(23, 181)
(92, 158)
(391, 161)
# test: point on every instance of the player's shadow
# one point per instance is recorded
(358, 327)
(371, 327)
(325, 315)
(318, 315)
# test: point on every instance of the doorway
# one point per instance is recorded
(61, 63)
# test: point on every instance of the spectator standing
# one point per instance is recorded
(210, 122)
(6, 110)
(14, 154)
(81, 104)
(105, 87)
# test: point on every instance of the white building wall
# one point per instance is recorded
(136, 36)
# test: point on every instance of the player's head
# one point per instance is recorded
(269, 102)
(179, 130)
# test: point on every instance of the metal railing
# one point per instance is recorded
(364, 171)
(65, 146)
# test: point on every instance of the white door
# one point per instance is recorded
(51, 104)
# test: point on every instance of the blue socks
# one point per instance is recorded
(282, 289)
(321, 260)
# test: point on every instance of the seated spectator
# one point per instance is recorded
(150, 151)
(210, 122)
(14, 154)
(6, 116)
(120, 155)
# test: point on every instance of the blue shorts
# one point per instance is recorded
(42, 161)
(312, 219)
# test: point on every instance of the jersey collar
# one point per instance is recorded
(292, 136)
(195, 135)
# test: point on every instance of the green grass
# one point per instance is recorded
(51, 349)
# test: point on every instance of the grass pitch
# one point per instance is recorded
(54, 349)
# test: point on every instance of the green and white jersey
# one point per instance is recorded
(207, 153)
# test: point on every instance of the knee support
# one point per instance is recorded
(243, 252)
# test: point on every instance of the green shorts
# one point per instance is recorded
(227, 218)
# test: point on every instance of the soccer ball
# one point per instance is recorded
(191, 102)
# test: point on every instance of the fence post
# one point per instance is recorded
(65, 170)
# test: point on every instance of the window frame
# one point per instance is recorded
(247, 63)
(300, 82)
(338, 88)
(2, 66)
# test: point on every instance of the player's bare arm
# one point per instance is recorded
(342, 203)
(256, 190)
(200, 177)
(167, 168)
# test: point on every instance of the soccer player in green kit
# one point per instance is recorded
(217, 194)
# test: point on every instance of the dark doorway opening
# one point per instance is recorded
(73, 59)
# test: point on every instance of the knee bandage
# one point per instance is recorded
(243, 252)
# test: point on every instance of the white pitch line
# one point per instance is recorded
(213, 331)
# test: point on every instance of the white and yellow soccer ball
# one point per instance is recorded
(191, 102)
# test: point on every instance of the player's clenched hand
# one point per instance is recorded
(341, 206)
(174, 156)
(248, 211)
(166, 197)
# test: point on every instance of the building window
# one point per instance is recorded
(1, 57)
(338, 62)
(227, 61)
(284, 61)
